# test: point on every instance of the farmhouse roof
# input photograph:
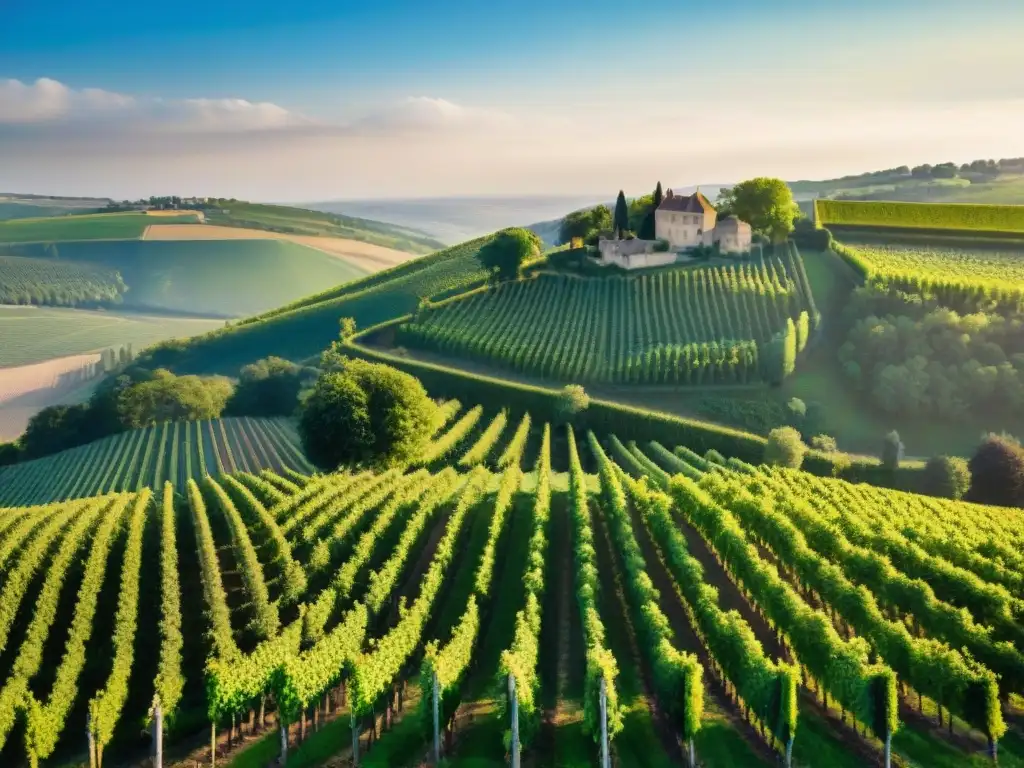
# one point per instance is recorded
(695, 203)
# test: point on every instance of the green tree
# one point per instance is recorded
(997, 472)
(504, 255)
(167, 397)
(268, 387)
(620, 220)
(765, 203)
(785, 448)
(346, 328)
(947, 476)
(892, 451)
(572, 400)
(366, 413)
(585, 224)
(658, 196)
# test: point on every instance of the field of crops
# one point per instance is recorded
(937, 216)
(93, 226)
(683, 326)
(741, 616)
(306, 327)
(57, 283)
(32, 334)
(223, 278)
(147, 457)
(956, 273)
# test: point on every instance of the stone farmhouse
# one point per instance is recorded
(684, 222)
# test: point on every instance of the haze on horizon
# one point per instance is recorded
(321, 100)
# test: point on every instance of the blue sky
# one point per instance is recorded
(341, 99)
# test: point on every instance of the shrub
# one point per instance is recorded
(947, 476)
(797, 409)
(825, 443)
(366, 413)
(997, 472)
(167, 397)
(268, 387)
(892, 451)
(785, 448)
(572, 400)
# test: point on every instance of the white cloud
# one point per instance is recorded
(58, 140)
(47, 102)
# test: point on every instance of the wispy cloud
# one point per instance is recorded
(47, 103)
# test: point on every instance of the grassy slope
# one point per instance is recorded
(224, 278)
(306, 327)
(98, 226)
(31, 334)
(280, 218)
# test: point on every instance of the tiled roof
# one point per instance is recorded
(695, 203)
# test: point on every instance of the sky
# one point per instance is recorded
(304, 101)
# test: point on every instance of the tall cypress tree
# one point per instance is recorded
(658, 196)
(621, 219)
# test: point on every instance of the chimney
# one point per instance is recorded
(668, 195)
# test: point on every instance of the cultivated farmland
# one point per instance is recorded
(173, 451)
(740, 616)
(937, 216)
(226, 278)
(33, 334)
(57, 283)
(93, 226)
(944, 267)
(682, 326)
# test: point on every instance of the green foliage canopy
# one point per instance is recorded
(505, 254)
(785, 448)
(366, 413)
(765, 203)
(947, 476)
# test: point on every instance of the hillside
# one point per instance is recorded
(174, 452)
(34, 334)
(512, 560)
(304, 328)
(674, 326)
(220, 278)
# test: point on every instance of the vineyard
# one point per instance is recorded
(53, 282)
(937, 216)
(527, 589)
(958, 275)
(684, 326)
(147, 457)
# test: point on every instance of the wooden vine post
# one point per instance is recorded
(158, 734)
(888, 748)
(514, 701)
(355, 737)
(213, 745)
(283, 728)
(606, 758)
(437, 734)
(91, 739)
